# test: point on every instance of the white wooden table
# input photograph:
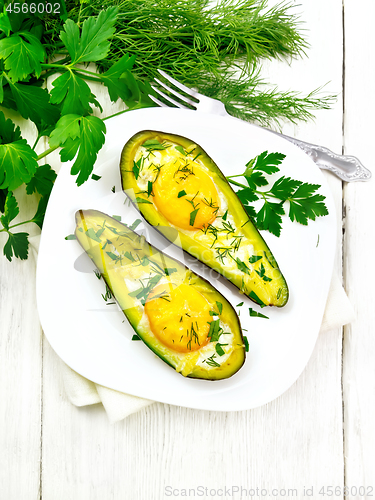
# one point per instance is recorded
(320, 433)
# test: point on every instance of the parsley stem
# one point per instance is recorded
(46, 152)
(237, 183)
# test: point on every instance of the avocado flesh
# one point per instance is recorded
(132, 268)
(231, 244)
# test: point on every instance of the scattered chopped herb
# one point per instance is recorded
(153, 144)
(214, 331)
(254, 258)
(224, 217)
(257, 314)
(213, 313)
(149, 188)
(219, 306)
(181, 194)
(96, 177)
(242, 266)
(193, 215)
(135, 224)
(255, 297)
(317, 243)
(117, 217)
(135, 337)
(219, 349)
(113, 189)
(112, 256)
(92, 234)
(261, 273)
(246, 343)
(279, 293)
(240, 304)
(181, 150)
(142, 200)
(211, 362)
(137, 167)
(71, 237)
(170, 270)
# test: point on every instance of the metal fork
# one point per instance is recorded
(347, 168)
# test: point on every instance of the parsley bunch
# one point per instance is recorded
(304, 203)
(64, 114)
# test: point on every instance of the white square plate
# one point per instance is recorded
(95, 339)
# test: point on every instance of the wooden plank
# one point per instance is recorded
(359, 343)
(20, 365)
(294, 442)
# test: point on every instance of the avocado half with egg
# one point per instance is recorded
(177, 314)
(174, 183)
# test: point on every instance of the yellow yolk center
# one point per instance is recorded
(181, 322)
(186, 195)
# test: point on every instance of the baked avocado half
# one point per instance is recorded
(177, 314)
(174, 183)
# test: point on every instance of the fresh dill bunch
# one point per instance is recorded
(217, 49)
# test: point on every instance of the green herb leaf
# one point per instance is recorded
(193, 215)
(181, 194)
(257, 314)
(284, 187)
(181, 150)
(242, 266)
(71, 237)
(17, 245)
(269, 217)
(84, 134)
(92, 234)
(240, 304)
(18, 164)
(304, 205)
(135, 337)
(23, 54)
(92, 44)
(34, 103)
(95, 177)
(224, 217)
(73, 93)
(219, 349)
(254, 258)
(119, 80)
(246, 343)
(38, 218)
(152, 144)
(254, 296)
(142, 200)
(255, 179)
(5, 25)
(247, 195)
(42, 181)
(135, 224)
(11, 210)
(268, 162)
(219, 306)
(136, 168)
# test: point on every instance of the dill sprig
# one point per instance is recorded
(217, 49)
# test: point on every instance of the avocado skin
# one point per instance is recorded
(279, 297)
(112, 274)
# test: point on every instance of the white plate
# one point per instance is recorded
(95, 339)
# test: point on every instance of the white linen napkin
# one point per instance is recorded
(83, 392)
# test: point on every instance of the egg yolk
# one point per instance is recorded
(186, 195)
(181, 321)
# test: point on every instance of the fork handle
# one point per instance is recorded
(347, 168)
